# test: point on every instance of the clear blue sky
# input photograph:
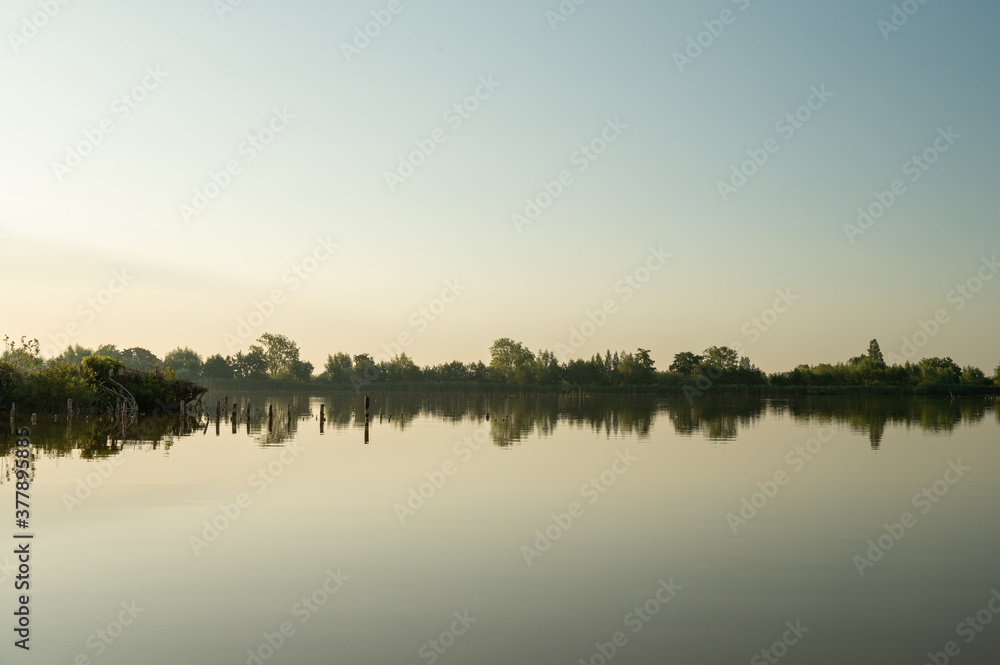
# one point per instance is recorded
(552, 91)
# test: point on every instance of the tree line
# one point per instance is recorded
(276, 357)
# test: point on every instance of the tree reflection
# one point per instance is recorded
(272, 420)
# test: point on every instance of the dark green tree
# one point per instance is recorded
(941, 371)
(217, 367)
(974, 376)
(338, 368)
(139, 359)
(875, 353)
(511, 361)
(185, 363)
(250, 365)
(686, 363)
(721, 358)
(301, 370)
(402, 369)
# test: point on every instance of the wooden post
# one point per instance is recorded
(69, 407)
(366, 409)
(218, 410)
(234, 415)
(322, 412)
(34, 418)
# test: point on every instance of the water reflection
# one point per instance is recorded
(272, 420)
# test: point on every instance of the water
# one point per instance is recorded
(654, 548)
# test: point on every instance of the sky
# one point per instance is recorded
(576, 177)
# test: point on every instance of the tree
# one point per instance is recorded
(108, 351)
(365, 369)
(26, 358)
(217, 367)
(939, 371)
(478, 371)
(338, 368)
(98, 369)
(301, 370)
(280, 353)
(721, 357)
(996, 375)
(185, 363)
(974, 376)
(875, 353)
(402, 369)
(511, 361)
(686, 363)
(73, 355)
(139, 359)
(646, 366)
(250, 365)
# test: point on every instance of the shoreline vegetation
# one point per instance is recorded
(93, 377)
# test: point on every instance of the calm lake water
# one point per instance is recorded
(624, 530)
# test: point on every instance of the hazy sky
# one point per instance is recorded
(116, 113)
